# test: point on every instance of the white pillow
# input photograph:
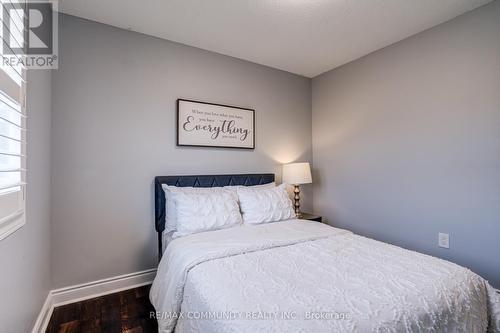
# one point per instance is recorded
(236, 187)
(262, 205)
(170, 216)
(197, 212)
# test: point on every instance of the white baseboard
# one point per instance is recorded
(98, 288)
(80, 292)
(42, 321)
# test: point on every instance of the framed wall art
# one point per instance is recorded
(202, 124)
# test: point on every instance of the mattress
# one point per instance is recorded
(303, 276)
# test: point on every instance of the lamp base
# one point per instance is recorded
(296, 199)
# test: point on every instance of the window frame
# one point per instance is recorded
(13, 222)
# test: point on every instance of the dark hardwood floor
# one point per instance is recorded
(127, 311)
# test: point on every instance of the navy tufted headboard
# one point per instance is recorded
(199, 181)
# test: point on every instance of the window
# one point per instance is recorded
(12, 134)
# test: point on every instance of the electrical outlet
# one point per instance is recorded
(444, 240)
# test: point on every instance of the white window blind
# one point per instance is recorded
(12, 129)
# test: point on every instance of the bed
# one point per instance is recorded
(305, 276)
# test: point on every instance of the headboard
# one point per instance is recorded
(199, 181)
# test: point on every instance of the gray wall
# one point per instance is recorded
(114, 130)
(406, 142)
(25, 255)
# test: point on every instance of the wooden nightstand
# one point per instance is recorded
(311, 217)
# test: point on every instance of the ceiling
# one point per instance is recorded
(305, 37)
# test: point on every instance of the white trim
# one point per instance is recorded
(80, 292)
(98, 288)
(42, 321)
(11, 224)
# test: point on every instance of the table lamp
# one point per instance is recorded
(296, 174)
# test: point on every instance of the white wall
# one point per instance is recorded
(25, 255)
(406, 142)
(114, 130)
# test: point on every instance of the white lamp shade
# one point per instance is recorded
(297, 173)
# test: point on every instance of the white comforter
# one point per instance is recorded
(301, 276)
